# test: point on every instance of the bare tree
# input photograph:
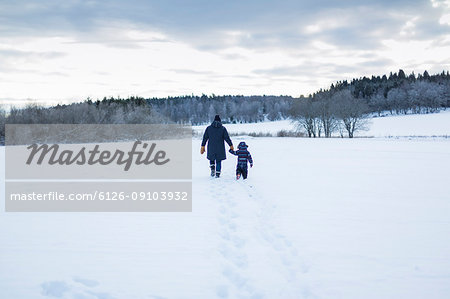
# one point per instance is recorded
(304, 112)
(325, 113)
(351, 111)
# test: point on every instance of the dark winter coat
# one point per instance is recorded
(243, 155)
(215, 134)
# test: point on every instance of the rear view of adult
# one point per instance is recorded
(216, 135)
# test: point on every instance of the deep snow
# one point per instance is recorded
(317, 218)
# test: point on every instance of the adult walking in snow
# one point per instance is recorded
(216, 135)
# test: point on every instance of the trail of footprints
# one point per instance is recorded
(288, 254)
(232, 245)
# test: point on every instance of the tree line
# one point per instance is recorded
(399, 93)
(346, 106)
(342, 108)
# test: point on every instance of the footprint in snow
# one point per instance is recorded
(79, 288)
(234, 256)
(55, 288)
(222, 291)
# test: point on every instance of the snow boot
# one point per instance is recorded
(217, 174)
(213, 170)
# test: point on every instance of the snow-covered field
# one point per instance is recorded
(415, 125)
(317, 218)
(437, 124)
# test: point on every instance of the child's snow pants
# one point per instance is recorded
(242, 170)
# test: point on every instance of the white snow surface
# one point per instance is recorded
(413, 125)
(317, 218)
(435, 124)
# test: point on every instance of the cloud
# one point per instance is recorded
(13, 61)
(214, 25)
(192, 72)
(207, 24)
(192, 45)
(310, 67)
(14, 53)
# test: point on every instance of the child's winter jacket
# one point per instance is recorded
(243, 155)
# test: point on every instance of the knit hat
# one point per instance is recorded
(217, 117)
(242, 145)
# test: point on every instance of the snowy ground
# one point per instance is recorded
(416, 125)
(317, 218)
(437, 124)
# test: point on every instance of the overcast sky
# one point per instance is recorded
(69, 50)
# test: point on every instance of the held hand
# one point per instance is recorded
(232, 148)
(251, 165)
(202, 150)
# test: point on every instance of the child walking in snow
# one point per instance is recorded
(243, 156)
